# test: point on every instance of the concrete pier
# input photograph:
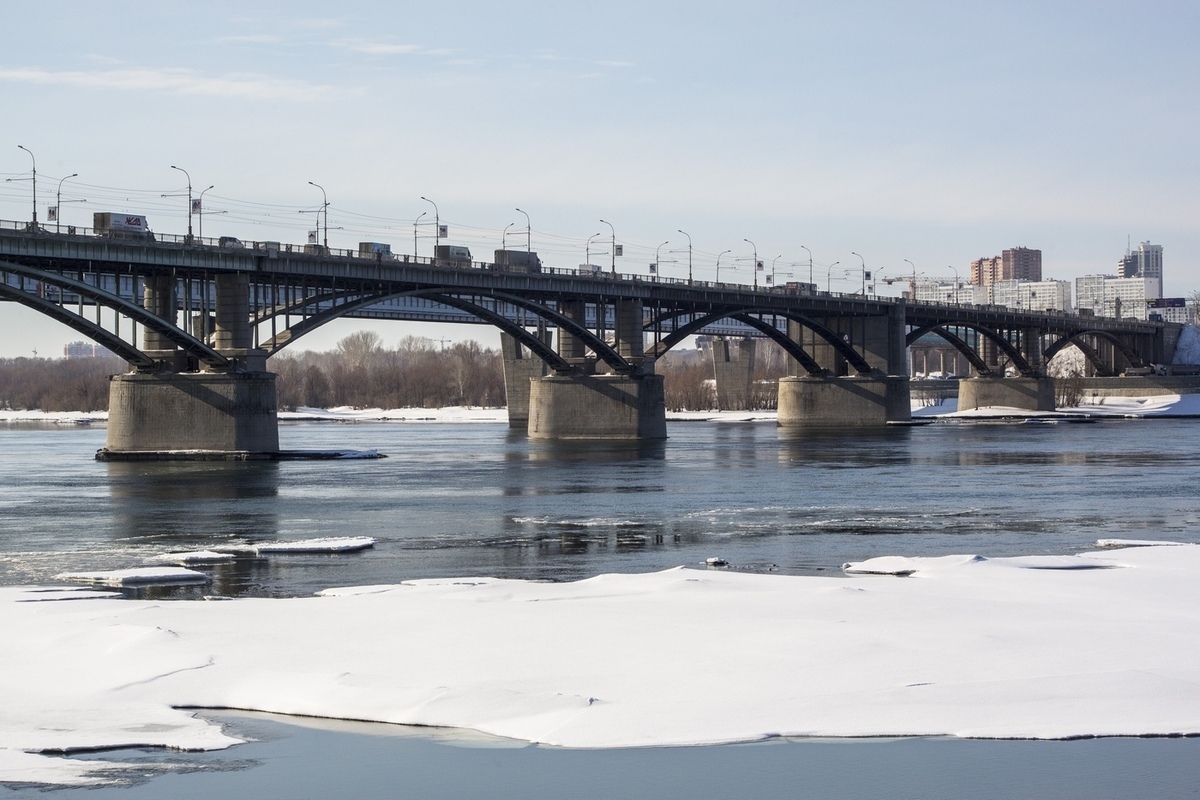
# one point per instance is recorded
(520, 367)
(597, 407)
(733, 372)
(199, 414)
(849, 402)
(1030, 394)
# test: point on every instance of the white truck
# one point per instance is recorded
(121, 226)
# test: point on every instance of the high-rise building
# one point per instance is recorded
(1014, 264)
(1145, 262)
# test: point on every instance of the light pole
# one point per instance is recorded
(587, 250)
(810, 266)
(437, 225)
(773, 267)
(416, 222)
(864, 273)
(955, 271)
(528, 247)
(685, 233)
(723, 252)
(189, 196)
(58, 203)
(34, 225)
(200, 211)
(829, 277)
(656, 252)
(754, 264)
(912, 287)
(614, 245)
(325, 208)
(504, 236)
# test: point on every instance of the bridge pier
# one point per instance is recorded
(172, 415)
(847, 402)
(520, 367)
(1028, 394)
(733, 373)
(597, 407)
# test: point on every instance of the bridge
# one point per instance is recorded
(197, 319)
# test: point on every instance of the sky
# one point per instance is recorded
(919, 135)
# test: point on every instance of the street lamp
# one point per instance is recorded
(27, 150)
(325, 208)
(810, 265)
(912, 287)
(685, 233)
(587, 250)
(528, 247)
(58, 203)
(437, 225)
(656, 252)
(829, 277)
(189, 196)
(864, 273)
(200, 211)
(416, 222)
(723, 252)
(504, 236)
(773, 267)
(754, 264)
(614, 245)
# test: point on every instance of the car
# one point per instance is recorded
(230, 242)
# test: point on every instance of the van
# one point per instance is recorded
(230, 242)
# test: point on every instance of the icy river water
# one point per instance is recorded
(474, 499)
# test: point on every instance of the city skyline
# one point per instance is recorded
(863, 129)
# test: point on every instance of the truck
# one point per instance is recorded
(376, 250)
(121, 226)
(517, 261)
(449, 255)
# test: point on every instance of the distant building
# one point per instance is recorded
(1025, 295)
(85, 350)
(1119, 298)
(1014, 264)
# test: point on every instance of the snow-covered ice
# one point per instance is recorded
(191, 557)
(138, 576)
(964, 646)
(337, 544)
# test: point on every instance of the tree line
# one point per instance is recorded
(361, 372)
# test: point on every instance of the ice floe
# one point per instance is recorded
(965, 647)
(136, 576)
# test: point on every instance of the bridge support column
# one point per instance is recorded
(197, 415)
(569, 347)
(597, 407)
(849, 402)
(1028, 394)
(733, 372)
(520, 367)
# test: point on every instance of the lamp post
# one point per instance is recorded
(528, 248)
(587, 250)
(912, 287)
(437, 225)
(417, 222)
(58, 203)
(614, 245)
(189, 197)
(754, 264)
(864, 273)
(325, 208)
(829, 277)
(504, 236)
(200, 209)
(685, 233)
(776, 258)
(723, 252)
(656, 252)
(34, 224)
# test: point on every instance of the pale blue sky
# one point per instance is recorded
(934, 133)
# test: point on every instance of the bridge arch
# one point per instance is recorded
(1076, 338)
(1008, 348)
(96, 331)
(793, 348)
(354, 300)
